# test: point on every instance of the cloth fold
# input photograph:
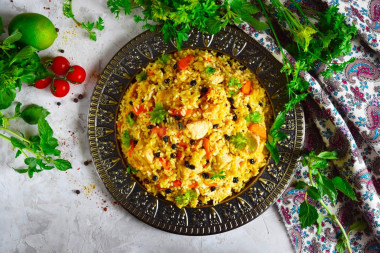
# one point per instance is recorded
(342, 113)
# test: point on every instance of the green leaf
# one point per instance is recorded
(239, 140)
(185, 199)
(18, 153)
(7, 96)
(320, 163)
(62, 164)
(210, 70)
(213, 25)
(130, 121)
(48, 143)
(25, 53)
(273, 152)
(17, 110)
(358, 226)
(141, 76)
(314, 193)
(343, 186)
(99, 24)
(304, 36)
(92, 35)
(21, 171)
(158, 114)
(219, 175)
(328, 155)
(32, 113)
(326, 185)
(67, 11)
(307, 215)
(319, 222)
(301, 185)
(126, 139)
(17, 143)
(254, 117)
(278, 122)
(164, 58)
(116, 6)
(131, 170)
(341, 245)
(15, 36)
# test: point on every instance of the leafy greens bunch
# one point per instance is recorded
(88, 26)
(320, 42)
(321, 186)
(19, 65)
(178, 16)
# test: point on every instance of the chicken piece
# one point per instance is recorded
(215, 79)
(223, 159)
(148, 155)
(198, 129)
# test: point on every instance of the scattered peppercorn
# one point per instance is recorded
(243, 68)
(130, 102)
(167, 80)
(231, 100)
(80, 96)
(215, 126)
(142, 100)
(173, 155)
(61, 51)
(187, 164)
(165, 120)
(177, 117)
(75, 100)
(204, 90)
(154, 178)
(132, 115)
(252, 161)
(165, 138)
(56, 29)
(212, 188)
(174, 146)
(205, 175)
(192, 142)
(167, 191)
(193, 83)
(229, 63)
(249, 107)
(76, 191)
(218, 54)
(260, 104)
(207, 161)
(135, 142)
(192, 167)
(234, 118)
(227, 137)
(58, 103)
(87, 162)
(157, 154)
(150, 126)
(175, 66)
(235, 180)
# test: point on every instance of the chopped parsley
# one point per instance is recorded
(254, 117)
(234, 82)
(126, 139)
(130, 121)
(185, 199)
(210, 70)
(164, 58)
(219, 175)
(239, 140)
(158, 114)
(141, 76)
(131, 170)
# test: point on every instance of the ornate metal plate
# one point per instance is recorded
(235, 211)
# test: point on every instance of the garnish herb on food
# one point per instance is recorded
(158, 114)
(254, 117)
(210, 70)
(141, 76)
(131, 170)
(126, 139)
(88, 26)
(178, 16)
(130, 121)
(17, 65)
(234, 82)
(164, 58)
(239, 140)
(321, 186)
(219, 175)
(186, 198)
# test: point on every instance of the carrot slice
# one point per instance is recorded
(132, 143)
(259, 130)
(177, 183)
(246, 89)
(182, 144)
(184, 62)
(139, 109)
(211, 183)
(180, 112)
(160, 131)
(150, 73)
(206, 145)
(193, 185)
(164, 163)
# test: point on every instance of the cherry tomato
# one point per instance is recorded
(43, 83)
(60, 88)
(76, 74)
(60, 65)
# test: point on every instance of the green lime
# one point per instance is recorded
(37, 30)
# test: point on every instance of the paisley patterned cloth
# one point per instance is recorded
(343, 114)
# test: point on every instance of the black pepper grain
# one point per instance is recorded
(231, 100)
(212, 188)
(75, 100)
(174, 146)
(192, 167)
(215, 126)
(167, 191)
(177, 117)
(193, 83)
(173, 155)
(249, 107)
(167, 80)
(175, 66)
(135, 142)
(252, 161)
(76, 191)
(234, 118)
(235, 180)
(165, 138)
(132, 115)
(154, 178)
(187, 164)
(205, 175)
(260, 104)
(163, 71)
(150, 126)
(204, 90)
(157, 154)
(227, 137)
(80, 96)
(192, 142)
(243, 68)
(58, 103)
(218, 54)
(130, 102)
(61, 51)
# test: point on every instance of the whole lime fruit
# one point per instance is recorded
(37, 30)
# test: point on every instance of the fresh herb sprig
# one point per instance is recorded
(158, 113)
(239, 140)
(178, 16)
(88, 26)
(210, 70)
(18, 65)
(219, 175)
(186, 198)
(321, 186)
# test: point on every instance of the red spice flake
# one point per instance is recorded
(105, 209)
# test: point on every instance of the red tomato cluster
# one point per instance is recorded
(64, 72)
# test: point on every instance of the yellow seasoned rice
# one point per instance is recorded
(184, 174)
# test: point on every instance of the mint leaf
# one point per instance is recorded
(126, 139)
(313, 193)
(17, 143)
(301, 185)
(210, 70)
(319, 222)
(61, 164)
(141, 76)
(278, 122)
(343, 186)
(273, 151)
(21, 171)
(32, 113)
(131, 170)
(341, 245)
(307, 215)
(328, 155)
(164, 58)
(254, 117)
(48, 143)
(7, 96)
(326, 185)
(15, 36)
(25, 53)
(358, 226)
(17, 110)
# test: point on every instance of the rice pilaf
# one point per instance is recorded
(193, 127)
